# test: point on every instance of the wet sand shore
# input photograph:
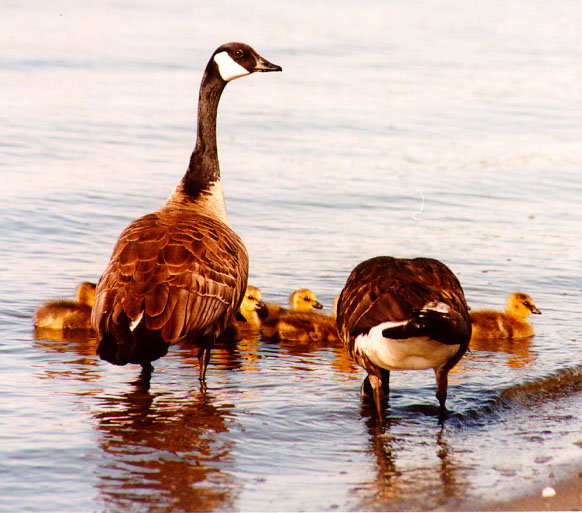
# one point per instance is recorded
(568, 497)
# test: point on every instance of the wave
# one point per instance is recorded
(557, 385)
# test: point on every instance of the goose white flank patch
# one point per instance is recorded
(403, 314)
(414, 353)
(180, 272)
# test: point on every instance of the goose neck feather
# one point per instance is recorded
(204, 169)
(209, 202)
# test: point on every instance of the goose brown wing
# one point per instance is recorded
(386, 289)
(183, 276)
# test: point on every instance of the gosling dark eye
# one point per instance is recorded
(238, 53)
(307, 299)
(251, 298)
(526, 303)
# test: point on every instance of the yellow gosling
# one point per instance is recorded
(491, 324)
(68, 315)
(301, 323)
(302, 300)
(248, 320)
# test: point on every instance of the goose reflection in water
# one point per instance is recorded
(164, 452)
(397, 485)
(229, 355)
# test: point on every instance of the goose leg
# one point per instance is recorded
(203, 359)
(441, 374)
(378, 393)
(146, 370)
(366, 391)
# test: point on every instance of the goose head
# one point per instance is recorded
(86, 293)
(235, 60)
(520, 305)
(304, 300)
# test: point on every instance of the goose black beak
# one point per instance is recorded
(317, 305)
(264, 65)
(534, 310)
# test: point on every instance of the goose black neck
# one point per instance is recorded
(204, 169)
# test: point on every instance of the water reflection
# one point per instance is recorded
(82, 343)
(386, 487)
(227, 355)
(409, 480)
(342, 362)
(160, 450)
(519, 351)
(163, 452)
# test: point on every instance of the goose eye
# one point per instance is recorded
(251, 298)
(238, 53)
(526, 303)
(308, 299)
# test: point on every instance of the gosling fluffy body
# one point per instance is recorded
(68, 315)
(300, 300)
(301, 327)
(301, 323)
(248, 320)
(491, 324)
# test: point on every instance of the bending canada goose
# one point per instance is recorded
(180, 272)
(399, 314)
(511, 324)
(247, 320)
(68, 315)
(301, 300)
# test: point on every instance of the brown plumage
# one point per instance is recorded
(68, 315)
(397, 314)
(490, 324)
(180, 272)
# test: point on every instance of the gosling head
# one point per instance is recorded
(86, 293)
(235, 60)
(252, 302)
(520, 305)
(304, 300)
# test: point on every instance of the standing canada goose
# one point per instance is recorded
(68, 315)
(400, 314)
(511, 324)
(180, 272)
(247, 320)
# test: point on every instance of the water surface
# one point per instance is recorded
(449, 130)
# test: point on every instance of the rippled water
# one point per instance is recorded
(449, 130)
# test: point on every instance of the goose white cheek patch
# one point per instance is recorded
(228, 69)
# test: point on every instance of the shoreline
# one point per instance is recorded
(568, 497)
